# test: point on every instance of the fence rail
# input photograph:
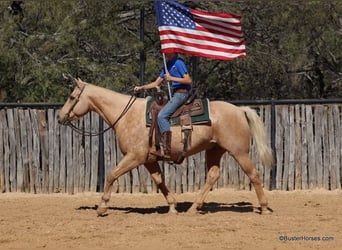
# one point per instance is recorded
(38, 155)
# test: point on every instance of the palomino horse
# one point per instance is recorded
(230, 131)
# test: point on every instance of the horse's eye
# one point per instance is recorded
(71, 97)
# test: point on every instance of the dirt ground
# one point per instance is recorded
(229, 220)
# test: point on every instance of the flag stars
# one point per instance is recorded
(176, 16)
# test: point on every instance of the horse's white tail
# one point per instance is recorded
(258, 132)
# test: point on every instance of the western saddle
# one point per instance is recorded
(191, 107)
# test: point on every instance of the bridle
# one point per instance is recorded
(67, 120)
(77, 99)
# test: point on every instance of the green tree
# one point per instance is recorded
(293, 50)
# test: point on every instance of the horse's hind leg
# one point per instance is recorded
(249, 168)
(158, 178)
(213, 157)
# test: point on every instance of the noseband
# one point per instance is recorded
(67, 120)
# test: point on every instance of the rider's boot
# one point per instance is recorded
(166, 138)
(165, 146)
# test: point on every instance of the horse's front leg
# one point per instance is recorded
(125, 165)
(158, 178)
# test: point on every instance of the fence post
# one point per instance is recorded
(101, 177)
(273, 133)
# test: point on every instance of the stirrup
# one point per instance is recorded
(160, 154)
(157, 153)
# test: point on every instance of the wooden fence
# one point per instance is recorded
(38, 155)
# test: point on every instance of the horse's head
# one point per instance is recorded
(76, 106)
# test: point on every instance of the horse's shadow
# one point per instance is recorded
(182, 207)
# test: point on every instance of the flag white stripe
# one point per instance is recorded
(214, 22)
(204, 51)
(200, 33)
(224, 19)
(207, 26)
(201, 42)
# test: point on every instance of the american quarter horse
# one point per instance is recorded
(230, 131)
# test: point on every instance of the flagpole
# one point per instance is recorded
(167, 72)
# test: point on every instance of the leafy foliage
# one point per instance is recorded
(293, 50)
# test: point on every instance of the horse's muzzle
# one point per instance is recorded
(62, 120)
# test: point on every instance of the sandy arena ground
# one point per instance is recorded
(229, 220)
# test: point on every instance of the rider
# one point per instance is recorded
(177, 73)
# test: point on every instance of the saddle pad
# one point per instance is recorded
(175, 121)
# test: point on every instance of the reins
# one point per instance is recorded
(90, 133)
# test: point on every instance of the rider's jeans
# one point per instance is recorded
(164, 115)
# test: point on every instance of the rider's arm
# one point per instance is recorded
(151, 85)
(186, 79)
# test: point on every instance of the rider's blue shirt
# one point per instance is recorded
(176, 68)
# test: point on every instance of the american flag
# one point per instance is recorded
(199, 33)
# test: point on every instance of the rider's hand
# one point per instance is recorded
(167, 77)
(138, 88)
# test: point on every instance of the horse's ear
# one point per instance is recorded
(79, 83)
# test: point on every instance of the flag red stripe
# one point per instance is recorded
(225, 23)
(218, 28)
(216, 14)
(217, 32)
(200, 54)
(215, 26)
(200, 37)
(202, 46)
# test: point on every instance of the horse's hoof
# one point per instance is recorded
(101, 211)
(192, 210)
(173, 210)
(265, 211)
